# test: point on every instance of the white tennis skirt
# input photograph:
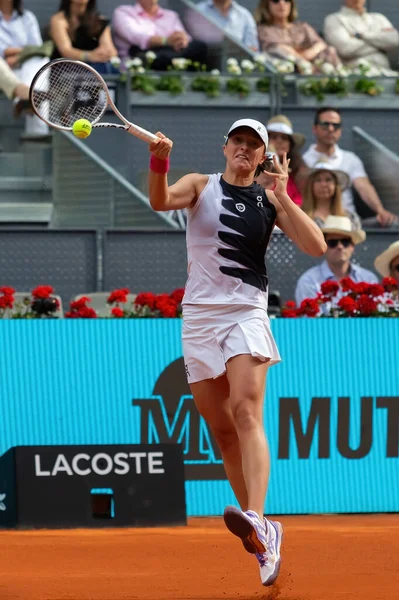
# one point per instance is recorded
(213, 334)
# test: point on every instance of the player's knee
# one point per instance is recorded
(226, 437)
(245, 416)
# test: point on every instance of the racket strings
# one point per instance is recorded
(67, 91)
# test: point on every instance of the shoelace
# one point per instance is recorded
(262, 558)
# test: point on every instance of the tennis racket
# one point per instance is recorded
(65, 90)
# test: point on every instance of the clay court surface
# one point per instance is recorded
(324, 558)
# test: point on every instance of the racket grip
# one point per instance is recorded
(143, 134)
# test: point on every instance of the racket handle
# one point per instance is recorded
(143, 134)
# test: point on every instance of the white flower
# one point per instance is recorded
(284, 66)
(150, 56)
(2, 505)
(140, 70)
(261, 58)
(327, 68)
(305, 67)
(215, 72)
(343, 71)
(232, 61)
(234, 69)
(180, 63)
(247, 65)
(116, 61)
(136, 62)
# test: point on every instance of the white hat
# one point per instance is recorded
(383, 261)
(257, 126)
(343, 225)
(282, 124)
(342, 177)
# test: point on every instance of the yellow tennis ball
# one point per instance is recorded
(82, 128)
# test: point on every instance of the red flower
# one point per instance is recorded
(145, 299)
(366, 305)
(6, 301)
(290, 304)
(84, 312)
(118, 296)
(9, 291)
(389, 302)
(309, 307)
(177, 295)
(78, 304)
(362, 287)
(348, 285)
(42, 291)
(289, 313)
(347, 304)
(389, 284)
(168, 309)
(329, 288)
(375, 290)
(117, 312)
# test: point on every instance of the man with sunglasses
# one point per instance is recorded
(341, 240)
(327, 129)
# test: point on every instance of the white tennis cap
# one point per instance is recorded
(257, 126)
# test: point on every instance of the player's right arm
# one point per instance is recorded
(182, 194)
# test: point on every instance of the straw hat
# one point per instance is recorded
(323, 165)
(383, 261)
(343, 226)
(282, 124)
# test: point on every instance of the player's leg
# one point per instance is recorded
(211, 397)
(247, 379)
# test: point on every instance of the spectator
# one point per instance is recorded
(280, 34)
(327, 129)
(233, 18)
(387, 263)
(18, 29)
(358, 35)
(81, 33)
(341, 240)
(147, 26)
(283, 138)
(323, 195)
(10, 85)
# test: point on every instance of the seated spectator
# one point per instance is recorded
(81, 33)
(283, 139)
(281, 35)
(341, 240)
(387, 263)
(323, 195)
(146, 26)
(327, 129)
(358, 35)
(18, 29)
(235, 19)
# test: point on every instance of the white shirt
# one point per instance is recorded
(19, 31)
(227, 234)
(377, 32)
(309, 283)
(342, 160)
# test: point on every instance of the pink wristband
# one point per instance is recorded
(159, 165)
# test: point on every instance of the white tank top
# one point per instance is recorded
(227, 234)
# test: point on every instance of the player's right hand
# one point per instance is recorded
(163, 148)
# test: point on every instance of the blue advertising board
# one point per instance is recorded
(331, 406)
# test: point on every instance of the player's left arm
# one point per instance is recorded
(296, 224)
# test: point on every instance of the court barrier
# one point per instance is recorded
(331, 414)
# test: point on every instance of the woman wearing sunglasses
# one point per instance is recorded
(323, 194)
(281, 35)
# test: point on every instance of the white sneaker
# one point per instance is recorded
(270, 561)
(248, 527)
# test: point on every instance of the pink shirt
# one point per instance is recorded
(131, 25)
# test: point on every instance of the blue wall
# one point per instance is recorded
(98, 382)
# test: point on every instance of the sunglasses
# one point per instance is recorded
(278, 1)
(346, 242)
(328, 124)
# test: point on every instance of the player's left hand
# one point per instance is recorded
(281, 175)
(163, 148)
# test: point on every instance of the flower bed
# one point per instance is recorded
(347, 298)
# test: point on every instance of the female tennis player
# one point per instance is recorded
(227, 341)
